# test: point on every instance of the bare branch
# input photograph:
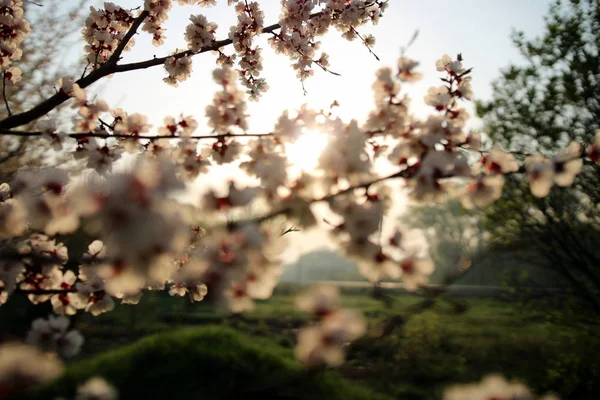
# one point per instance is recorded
(4, 93)
(365, 43)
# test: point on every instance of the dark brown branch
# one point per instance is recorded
(107, 135)
(116, 56)
(405, 173)
(4, 93)
(40, 292)
(52, 102)
(365, 43)
(187, 53)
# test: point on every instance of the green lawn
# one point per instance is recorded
(410, 351)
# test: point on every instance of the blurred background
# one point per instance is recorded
(517, 286)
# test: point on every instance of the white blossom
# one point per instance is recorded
(96, 389)
(51, 335)
(23, 367)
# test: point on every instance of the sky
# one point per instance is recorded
(479, 29)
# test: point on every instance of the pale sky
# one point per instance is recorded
(479, 29)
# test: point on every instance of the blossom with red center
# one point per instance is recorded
(416, 271)
(499, 162)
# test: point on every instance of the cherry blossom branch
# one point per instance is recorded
(110, 68)
(188, 53)
(405, 173)
(107, 135)
(319, 64)
(365, 43)
(116, 56)
(44, 291)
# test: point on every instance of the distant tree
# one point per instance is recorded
(44, 61)
(454, 236)
(540, 106)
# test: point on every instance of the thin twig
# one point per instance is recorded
(365, 43)
(404, 173)
(107, 135)
(4, 94)
(13, 153)
(44, 291)
(85, 70)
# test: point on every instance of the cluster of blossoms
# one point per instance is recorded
(13, 29)
(96, 389)
(51, 335)
(302, 22)
(250, 24)
(113, 209)
(158, 11)
(359, 236)
(144, 234)
(199, 34)
(178, 67)
(23, 367)
(301, 26)
(104, 30)
(493, 387)
(561, 170)
(232, 268)
(140, 234)
(323, 343)
(228, 109)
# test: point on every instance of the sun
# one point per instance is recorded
(304, 153)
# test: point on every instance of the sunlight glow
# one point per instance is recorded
(304, 153)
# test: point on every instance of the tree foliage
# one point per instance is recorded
(541, 105)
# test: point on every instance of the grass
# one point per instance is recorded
(550, 345)
(207, 363)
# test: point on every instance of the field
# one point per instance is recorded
(414, 346)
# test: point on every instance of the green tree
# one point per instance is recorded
(540, 106)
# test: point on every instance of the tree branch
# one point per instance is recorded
(4, 93)
(405, 173)
(107, 135)
(44, 291)
(108, 69)
(116, 56)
